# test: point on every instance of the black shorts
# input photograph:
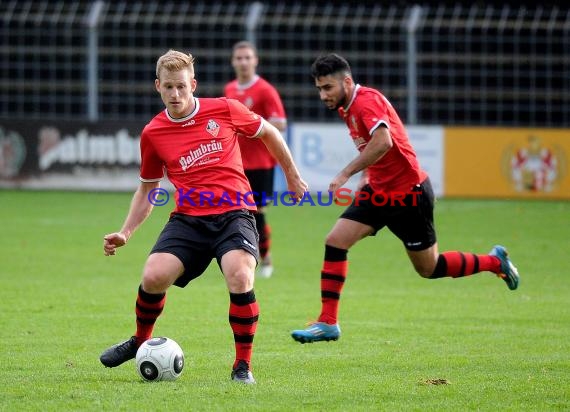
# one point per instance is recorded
(411, 222)
(196, 240)
(261, 181)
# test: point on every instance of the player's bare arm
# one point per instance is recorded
(377, 147)
(139, 210)
(280, 125)
(274, 142)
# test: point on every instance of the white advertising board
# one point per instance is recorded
(322, 150)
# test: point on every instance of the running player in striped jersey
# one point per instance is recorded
(390, 167)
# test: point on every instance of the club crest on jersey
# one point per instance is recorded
(213, 128)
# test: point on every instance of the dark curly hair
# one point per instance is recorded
(330, 64)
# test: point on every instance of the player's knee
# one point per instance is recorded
(154, 280)
(335, 240)
(240, 279)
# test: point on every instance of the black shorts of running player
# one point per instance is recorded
(261, 181)
(196, 240)
(412, 222)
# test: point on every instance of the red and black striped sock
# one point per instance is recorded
(333, 275)
(459, 264)
(148, 308)
(243, 315)
(265, 241)
(264, 232)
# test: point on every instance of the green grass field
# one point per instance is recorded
(63, 303)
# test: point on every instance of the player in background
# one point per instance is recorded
(194, 142)
(262, 98)
(390, 166)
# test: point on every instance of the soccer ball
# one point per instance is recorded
(159, 359)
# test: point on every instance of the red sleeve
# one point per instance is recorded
(244, 120)
(374, 112)
(151, 164)
(274, 106)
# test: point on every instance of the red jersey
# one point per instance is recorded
(201, 156)
(262, 98)
(398, 169)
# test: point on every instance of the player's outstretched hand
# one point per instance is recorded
(339, 180)
(112, 241)
(299, 187)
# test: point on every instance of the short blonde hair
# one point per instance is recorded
(174, 60)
